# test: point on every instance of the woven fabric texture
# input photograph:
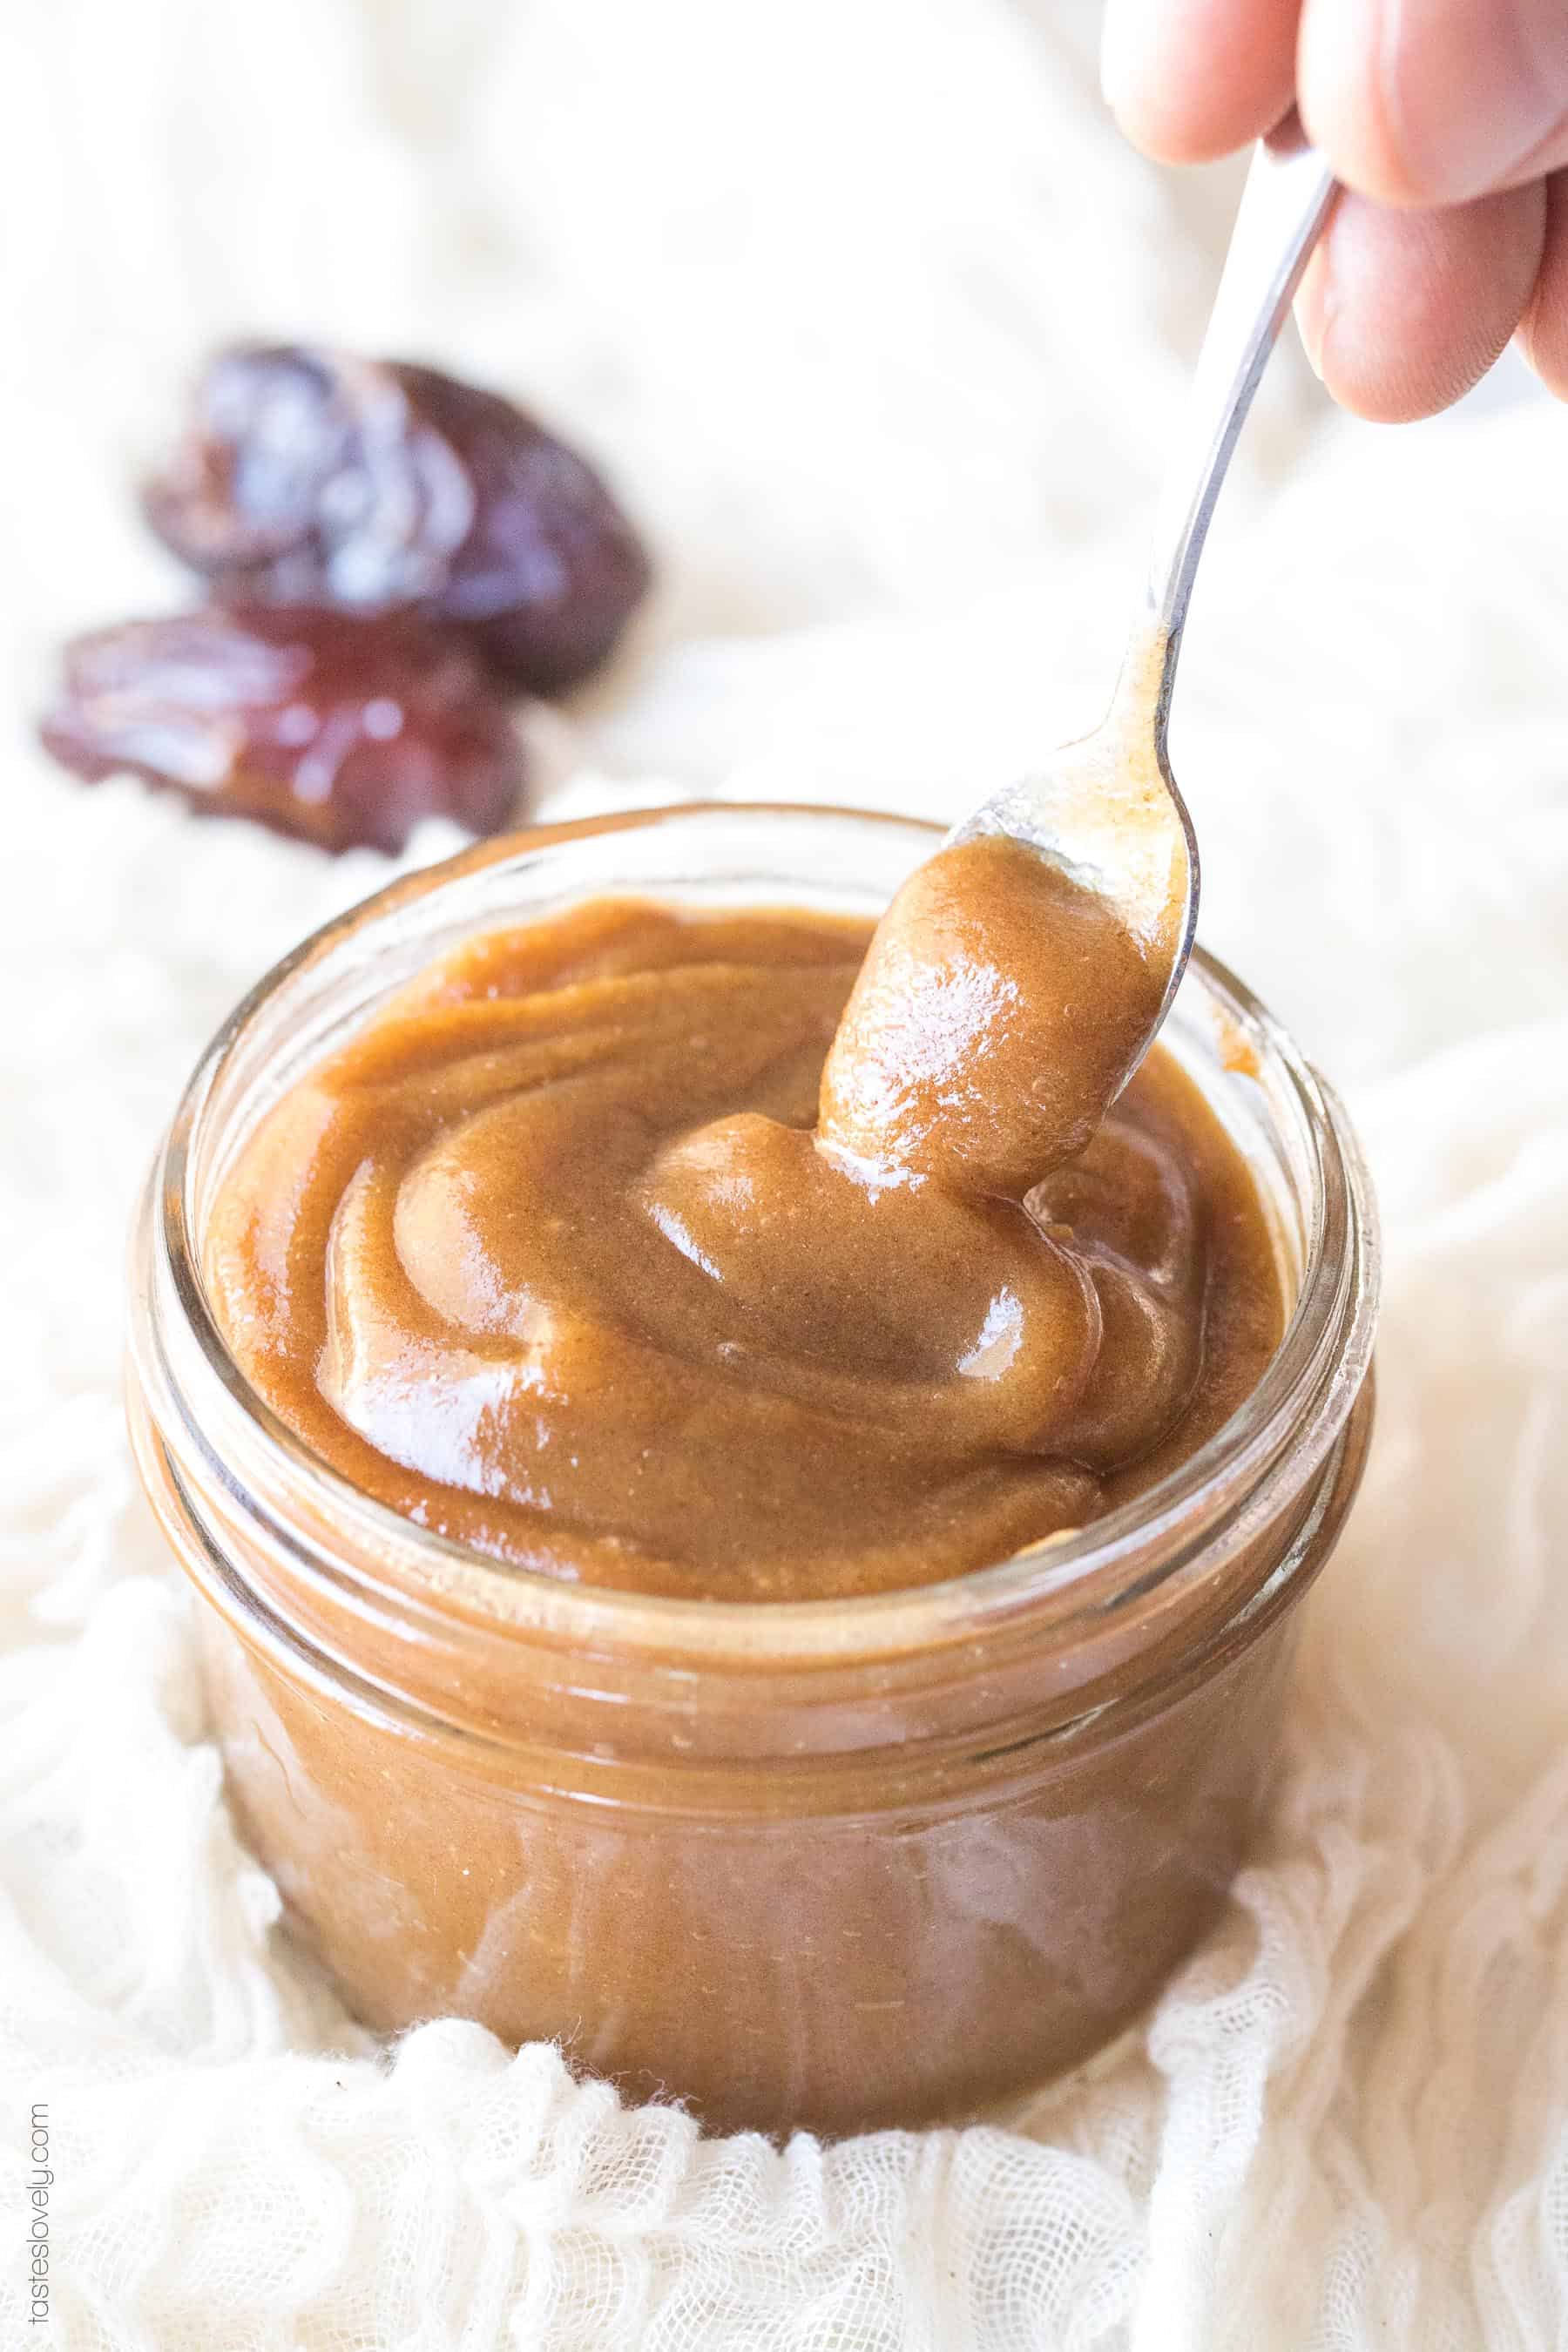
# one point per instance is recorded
(881, 327)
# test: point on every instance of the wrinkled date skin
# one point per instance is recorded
(345, 731)
(311, 476)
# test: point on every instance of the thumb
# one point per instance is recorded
(1422, 103)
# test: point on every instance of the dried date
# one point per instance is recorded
(310, 476)
(343, 730)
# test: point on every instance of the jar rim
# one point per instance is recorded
(1111, 1563)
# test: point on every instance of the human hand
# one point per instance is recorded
(1448, 121)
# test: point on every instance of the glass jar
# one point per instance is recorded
(837, 1865)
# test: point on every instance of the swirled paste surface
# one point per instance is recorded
(751, 1256)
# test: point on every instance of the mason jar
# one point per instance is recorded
(837, 1865)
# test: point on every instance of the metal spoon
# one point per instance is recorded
(1106, 809)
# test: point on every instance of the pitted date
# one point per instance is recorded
(343, 730)
(310, 476)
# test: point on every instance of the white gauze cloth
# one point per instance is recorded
(881, 326)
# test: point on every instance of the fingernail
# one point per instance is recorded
(1314, 306)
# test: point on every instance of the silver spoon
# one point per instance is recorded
(1106, 809)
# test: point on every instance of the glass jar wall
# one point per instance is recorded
(832, 1865)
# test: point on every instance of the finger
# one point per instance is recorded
(1193, 82)
(1545, 330)
(1403, 313)
(1422, 103)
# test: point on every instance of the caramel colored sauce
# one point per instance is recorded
(747, 1257)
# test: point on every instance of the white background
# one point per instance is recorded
(880, 329)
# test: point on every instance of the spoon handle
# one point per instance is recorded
(1284, 205)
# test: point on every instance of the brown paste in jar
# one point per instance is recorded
(751, 1256)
